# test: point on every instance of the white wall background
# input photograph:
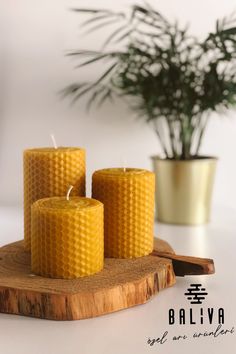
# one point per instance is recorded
(34, 37)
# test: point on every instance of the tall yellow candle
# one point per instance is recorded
(128, 198)
(67, 237)
(47, 173)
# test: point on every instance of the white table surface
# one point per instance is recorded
(127, 331)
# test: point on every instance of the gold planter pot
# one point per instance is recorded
(184, 190)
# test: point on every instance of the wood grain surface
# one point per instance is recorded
(186, 265)
(121, 284)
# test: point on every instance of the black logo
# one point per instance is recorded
(196, 293)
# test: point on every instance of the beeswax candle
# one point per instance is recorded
(128, 198)
(47, 173)
(67, 237)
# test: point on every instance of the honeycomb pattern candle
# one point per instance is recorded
(128, 198)
(47, 173)
(67, 239)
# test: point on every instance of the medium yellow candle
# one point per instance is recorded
(67, 237)
(128, 198)
(47, 173)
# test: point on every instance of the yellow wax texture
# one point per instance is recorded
(67, 239)
(48, 172)
(128, 198)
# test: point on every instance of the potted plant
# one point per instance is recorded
(174, 82)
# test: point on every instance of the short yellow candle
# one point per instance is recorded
(128, 198)
(67, 237)
(47, 173)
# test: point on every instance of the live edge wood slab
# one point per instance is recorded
(123, 283)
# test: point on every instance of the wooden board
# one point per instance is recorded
(121, 284)
(183, 265)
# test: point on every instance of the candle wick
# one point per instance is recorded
(68, 192)
(123, 163)
(54, 141)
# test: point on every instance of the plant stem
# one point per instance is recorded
(186, 137)
(161, 140)
(202, 129)
(171, 137)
